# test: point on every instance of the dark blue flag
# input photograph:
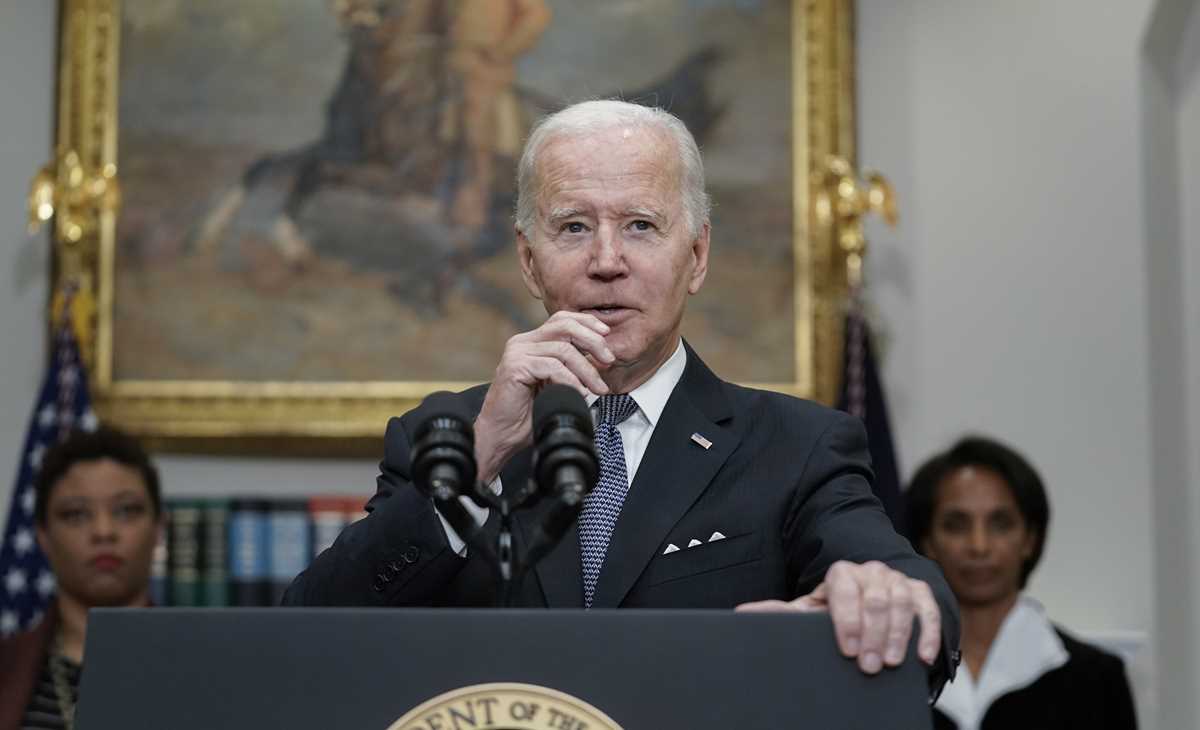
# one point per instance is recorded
(862, 396)
(26, 582)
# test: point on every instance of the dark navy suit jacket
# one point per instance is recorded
(786, 481)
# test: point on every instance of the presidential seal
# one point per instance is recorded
(505, 706)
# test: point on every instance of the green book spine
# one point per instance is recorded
(214, 563)
(184, 517)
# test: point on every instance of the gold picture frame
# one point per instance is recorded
(309, 417)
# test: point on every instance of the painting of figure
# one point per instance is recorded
(322, 190)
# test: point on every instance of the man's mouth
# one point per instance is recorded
(604, 306)
(609, 313)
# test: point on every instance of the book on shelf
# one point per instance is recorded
(249, 559)
(219, 551)
(214, 562)
(288, 544)
(184, 551)
(330, 515)
(160, 571)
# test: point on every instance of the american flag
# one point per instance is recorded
(26, 582)
(862, 395)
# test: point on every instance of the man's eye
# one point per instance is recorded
(642, 226)
(574, 227)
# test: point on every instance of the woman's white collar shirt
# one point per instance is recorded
(1026, 647)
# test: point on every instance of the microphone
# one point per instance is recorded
(443, 459)
(564, 462)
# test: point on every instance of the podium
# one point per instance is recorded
(366, 669)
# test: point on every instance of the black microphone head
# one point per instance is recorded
(443, 452)
(560, 401)
(442, 409)
(564, 458)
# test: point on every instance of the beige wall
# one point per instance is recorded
(1036, 290)
(1187, 486)
(26, 68)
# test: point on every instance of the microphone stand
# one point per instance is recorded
(510, 567)
(506, 556)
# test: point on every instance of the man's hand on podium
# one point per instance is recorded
(872, 607)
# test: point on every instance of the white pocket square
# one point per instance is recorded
(671, 548)
(716, 536)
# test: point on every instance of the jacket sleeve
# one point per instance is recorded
(1119, 713)
(835, 516)
(397, 555)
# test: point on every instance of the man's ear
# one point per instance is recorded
(699, 259)
(529, 271)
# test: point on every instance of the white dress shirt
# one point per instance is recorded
(651, 398)
(1025, 648)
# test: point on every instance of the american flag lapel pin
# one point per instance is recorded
(705, 443)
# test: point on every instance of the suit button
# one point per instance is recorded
(412, 553)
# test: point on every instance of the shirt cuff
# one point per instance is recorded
(479, 514)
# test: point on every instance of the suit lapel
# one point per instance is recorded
(674, 471)
(559, 572)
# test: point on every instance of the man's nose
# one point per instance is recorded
(608, 253)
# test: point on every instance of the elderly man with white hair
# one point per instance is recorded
(726, 497)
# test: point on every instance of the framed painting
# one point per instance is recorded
(314, 227)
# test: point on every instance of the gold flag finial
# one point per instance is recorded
(74, 195)
(77, 198)
(843, 201)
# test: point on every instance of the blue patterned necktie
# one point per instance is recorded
(603, 504)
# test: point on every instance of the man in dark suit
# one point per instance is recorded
(710, 494)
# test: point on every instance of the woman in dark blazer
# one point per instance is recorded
(98, 515)
(981, 512)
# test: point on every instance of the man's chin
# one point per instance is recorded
(634, 364)
(626, 354)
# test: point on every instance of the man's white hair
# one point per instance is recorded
(591, 116)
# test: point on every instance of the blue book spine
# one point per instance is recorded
(249, 553)
(290, 544)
